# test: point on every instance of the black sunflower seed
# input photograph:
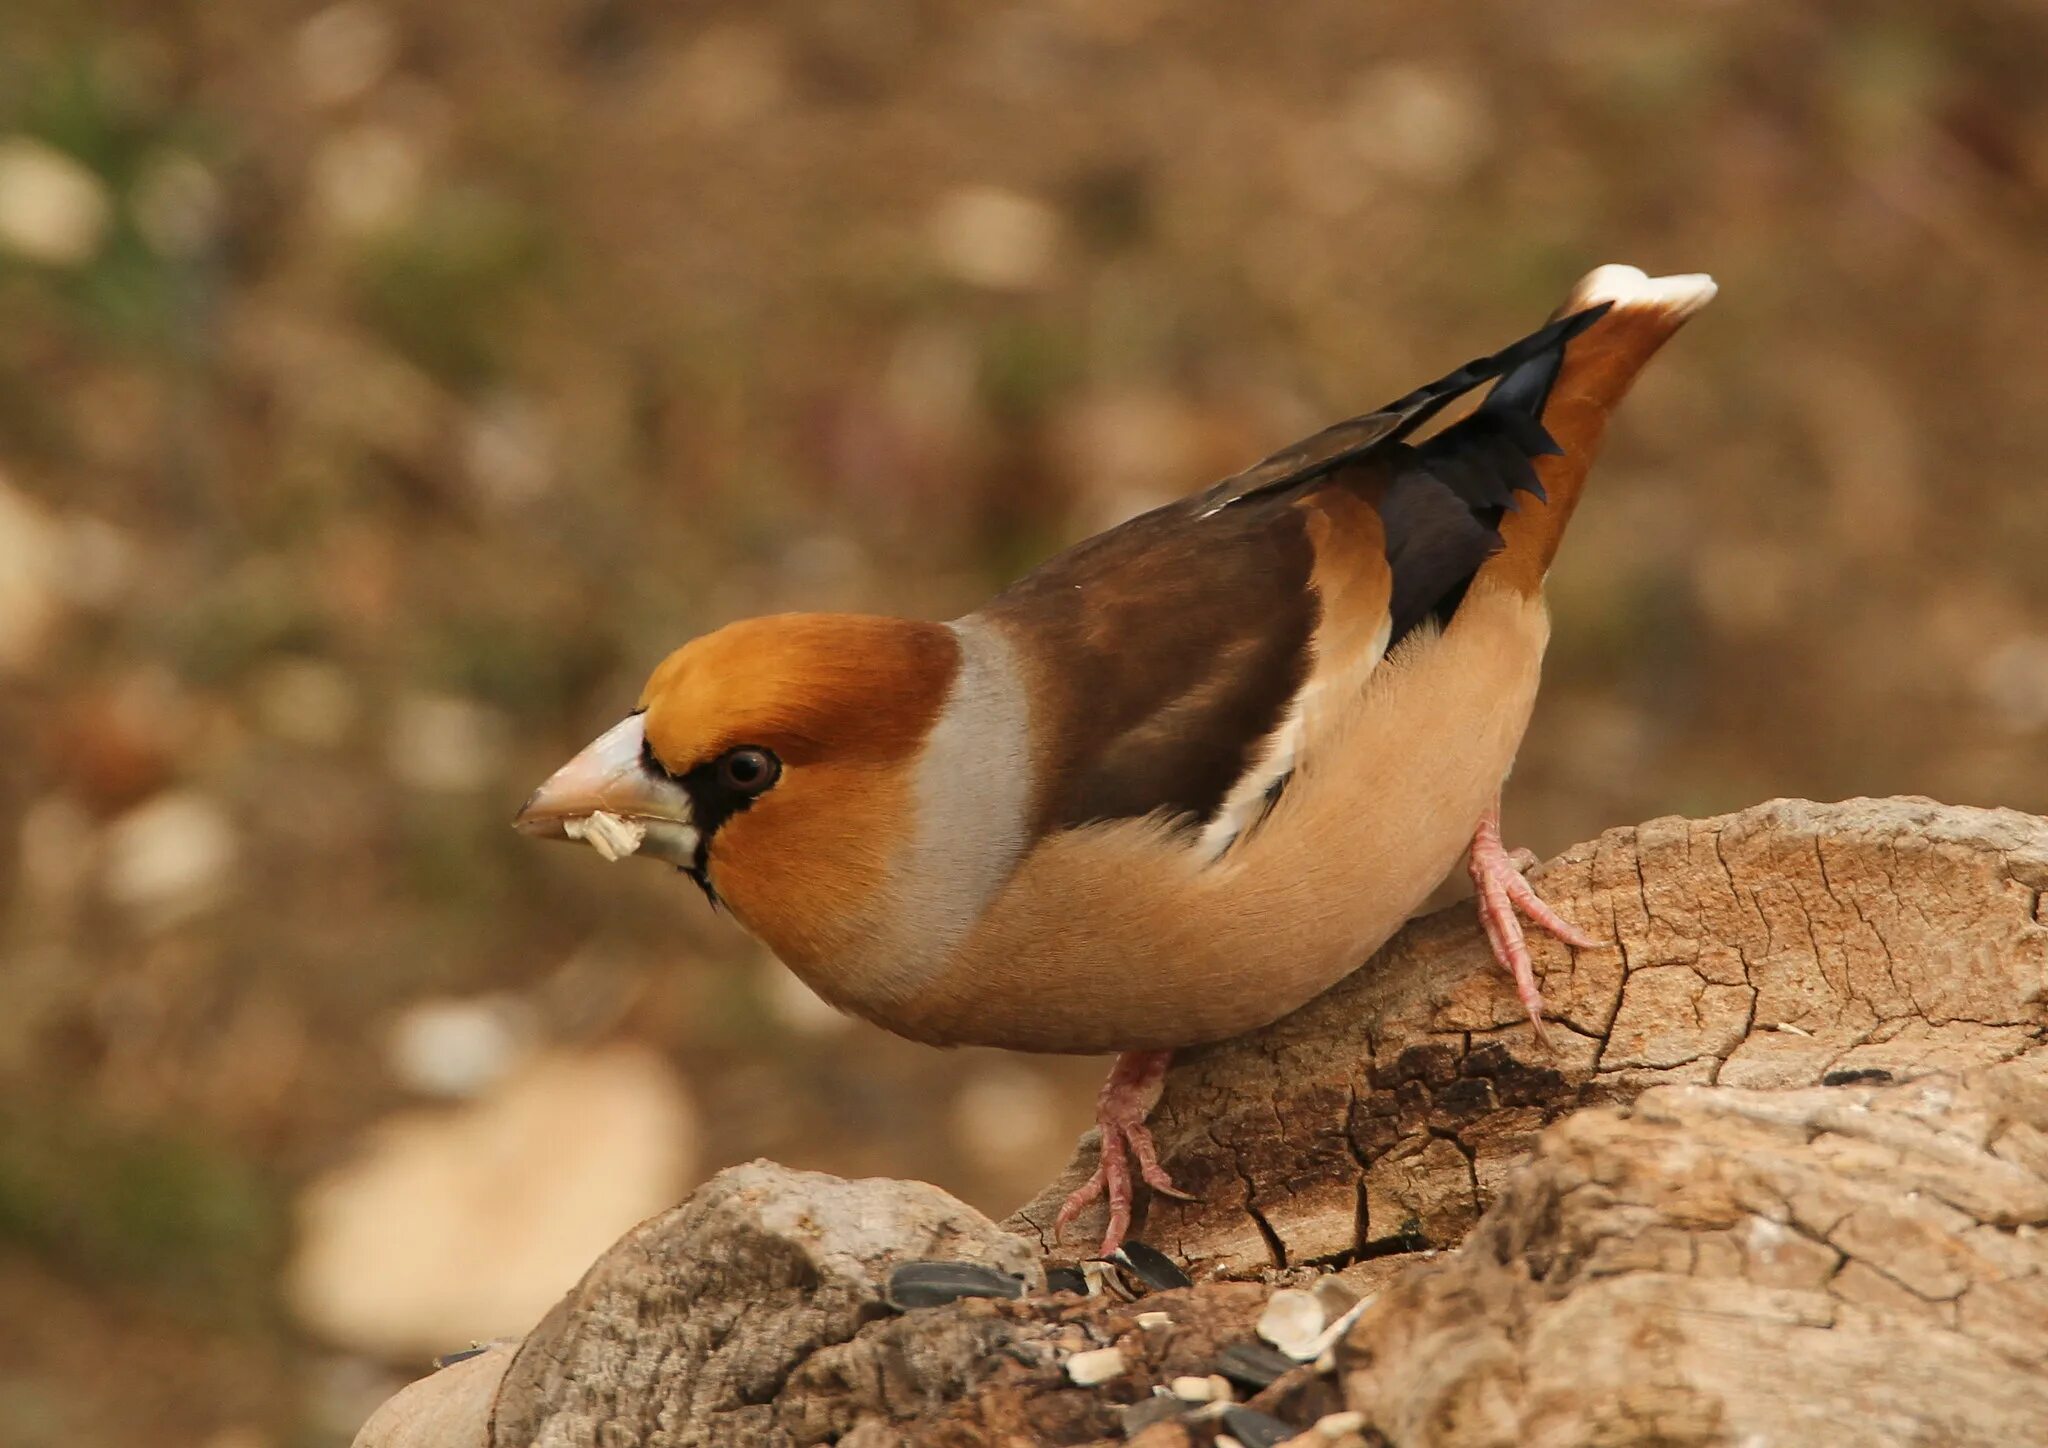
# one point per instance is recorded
(1152, 1267)
(1253, 1364)
(1874, 1075)
(1255, 1429)
(450, 1359)
(934, 1284)
(1066, 1279)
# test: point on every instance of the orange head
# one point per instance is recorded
(772, 760)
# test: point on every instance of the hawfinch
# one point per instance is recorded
(1181, 778)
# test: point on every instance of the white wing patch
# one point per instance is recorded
(1247, 799)
(1252, 795)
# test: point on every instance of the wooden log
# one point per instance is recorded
(1783, 1177)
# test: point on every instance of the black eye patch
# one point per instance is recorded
(720, 789)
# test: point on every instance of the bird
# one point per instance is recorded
(1177, 780)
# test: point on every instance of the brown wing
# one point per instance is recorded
(1163, 651)
(1167, 652)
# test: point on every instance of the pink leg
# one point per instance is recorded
(1497, 876)
(1127, 1097)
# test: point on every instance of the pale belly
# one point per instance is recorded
(1119, 937)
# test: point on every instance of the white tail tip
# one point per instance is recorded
(1630, 290)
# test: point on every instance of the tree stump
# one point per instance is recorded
(1781, 1176)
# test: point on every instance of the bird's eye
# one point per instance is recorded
(748, 771)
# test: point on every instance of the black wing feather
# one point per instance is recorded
(1446, 495)
(1530, 365)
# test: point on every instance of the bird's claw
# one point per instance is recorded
(1120, 1114)
(1497, 876)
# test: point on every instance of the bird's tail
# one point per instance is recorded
(1573, 390)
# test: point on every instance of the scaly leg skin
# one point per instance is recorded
(1497, 876)
(1128, 1096)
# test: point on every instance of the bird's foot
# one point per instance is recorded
(1497, 876)
(1127, 1098)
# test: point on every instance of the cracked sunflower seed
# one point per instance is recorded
(1104, 1280)
(1325, 1345)
(1293, 1322)
(610, 835)
(1089, 1369)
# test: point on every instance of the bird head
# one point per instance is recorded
(773, 762)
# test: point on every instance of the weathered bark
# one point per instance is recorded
(1856, 1265)
(1787, 945)
(1822, 1225)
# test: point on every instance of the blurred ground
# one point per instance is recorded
(384, 390)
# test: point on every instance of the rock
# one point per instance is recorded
(467, 1222)
(1095, 1367)
(1293, 1322)
(710, 1307)
(450, 1409)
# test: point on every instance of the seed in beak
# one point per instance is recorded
(612, 836)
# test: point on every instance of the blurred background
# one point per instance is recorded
(385, 388)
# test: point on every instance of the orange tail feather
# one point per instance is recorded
(1599, 366)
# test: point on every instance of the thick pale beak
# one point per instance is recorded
(611, 799)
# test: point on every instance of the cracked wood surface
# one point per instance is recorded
(1799, 1114)
(1857, 1265)
(1787, 945)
